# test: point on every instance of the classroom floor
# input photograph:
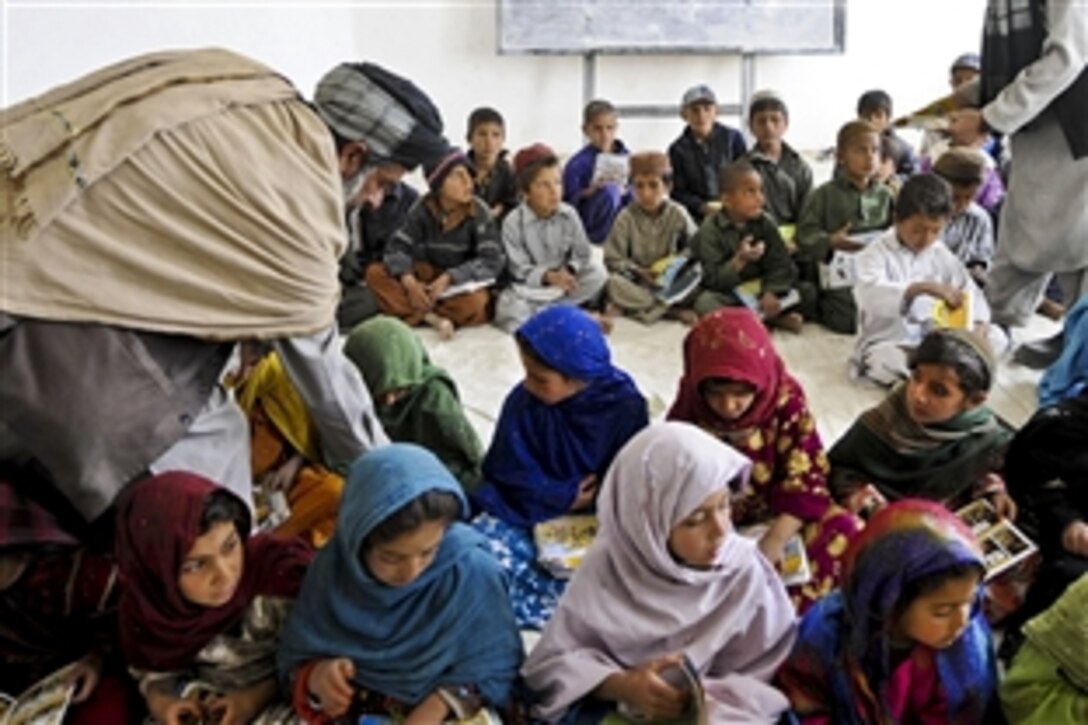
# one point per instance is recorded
(485, 364)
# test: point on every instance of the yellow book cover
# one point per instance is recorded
(959, 318)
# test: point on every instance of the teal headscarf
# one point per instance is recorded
(451, 626)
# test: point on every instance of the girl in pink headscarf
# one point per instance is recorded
(666, 580)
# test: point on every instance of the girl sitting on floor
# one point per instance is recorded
(667, 582)
(416, 401)
(202, 602)
(905, 640)
(404, 613)
(558, 431)
(736, 387)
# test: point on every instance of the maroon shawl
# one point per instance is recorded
(158, 521)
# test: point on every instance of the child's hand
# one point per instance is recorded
(770, 305)
(561, 278)
(330, 683)
(438, 286)
(643, 689)
(951, 295)
(432, 711)
(750, 249)
(85, 674)
(648, 278)
(587, 491)
(172, 710)
(865, 501)
(1004, 505)
(417, 293)
(1075, 538)
(840, 240)
(235, 708)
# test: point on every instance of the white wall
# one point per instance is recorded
(448, 48)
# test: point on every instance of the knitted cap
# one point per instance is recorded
(531, 155)
(650, 163)
(437, 172)
(968, 61)
(394, 118)
(698, 94)
(962, 165)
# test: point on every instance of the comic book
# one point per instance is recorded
(1003, 544)
(562, 542)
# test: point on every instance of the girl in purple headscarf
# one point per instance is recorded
(667, 584)
(905, 640)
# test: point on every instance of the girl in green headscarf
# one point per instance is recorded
(417, 402)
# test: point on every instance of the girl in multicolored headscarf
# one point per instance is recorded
(558, 431)
(905, 639)
(736, 387)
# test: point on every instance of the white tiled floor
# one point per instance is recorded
(484, 362)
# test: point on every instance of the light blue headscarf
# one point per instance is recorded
(451, 626)
(1068, 376)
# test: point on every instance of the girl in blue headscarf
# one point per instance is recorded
(558, 431)
(404, 613)
(905, 639)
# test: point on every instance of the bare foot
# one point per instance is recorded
(685, 315)
(791, 321)
(441, 325)
(604, 320)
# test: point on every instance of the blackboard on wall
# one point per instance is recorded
(671, 26)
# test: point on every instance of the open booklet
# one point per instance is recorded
(562, 543)
(749, 293)
(676, 277)
(43, 703)
(685, 678)
(611, 168)
(1003, 545)
(465, 287)
(841, 270)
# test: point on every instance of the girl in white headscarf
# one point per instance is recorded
(667, 578)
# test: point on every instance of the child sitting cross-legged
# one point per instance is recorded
(905, 639)
(667, 584)
(648, 230)
(550, 259)
(740, 245)
(203, 602)
(903, 275)
(448, 239)
(404, 614)
(932, 437)
(557, 433)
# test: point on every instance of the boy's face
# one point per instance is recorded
(650, 191)
(938, 618)
(549, 386)
(697, 540)
(879, 119)
(744, 202)
(601, 131)
(962, 75)
(934, 394)
(486, 141)
(399, 562)
(700, 117)
(213, 567)
(769, 126)
(860, 156)
(457, 187)
(919, 231)
(545, 191)
(962, 196)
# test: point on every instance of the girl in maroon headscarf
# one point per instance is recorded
(202, 602)
(736, 387)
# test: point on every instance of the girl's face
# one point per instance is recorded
(729, 399)
(934, 394)
(213, 567)
(697, 540)
(549, 386)
(938, 618)
(457, 187)
(545, 191)
(399, 562)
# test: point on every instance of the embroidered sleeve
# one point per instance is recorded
(801, 465)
